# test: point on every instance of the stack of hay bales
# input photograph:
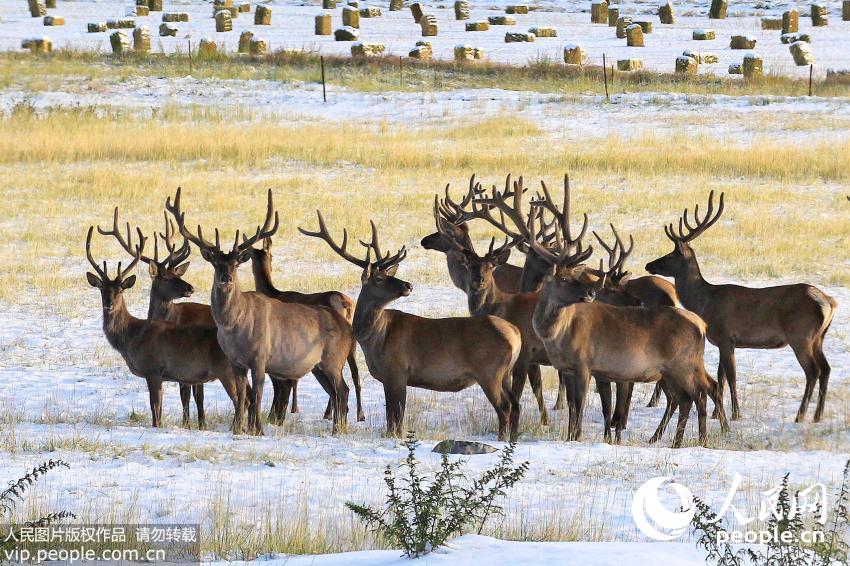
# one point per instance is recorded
(223, 21)
(245, 41)
(370, 12)
(37, 44)
(645, 25)
(120, 42)
(519, 37)
(666, 14)
(461, 10)
(367, 49)
(141, 11)
(175, 17)
(541, 31)
(480, 25)
(245, 8)
(718, 9)
(396, 5)
(735, 69)
(259, 47)
(629, 64)
(742, 42)
(37, 9)
(517, 9)
(207, 47)
(422, 50)
(801, 51)
(328, 4)
(845, 10)
(96, 27)
(790, 21)
(263, 16)
(428, 23)
(416, 11)
(167, 30)
(753, 66)
(50, 4)
(573, 54)
(346, 33)
(701, 58)
(155, 5)
(704, 34)
(227, 5)
(53, 21)
(613, 15)
(121, 23)
(622, 23)
(771, 23)
(634, 36)
(464, 52)
(792, 37)
(351, 17)
(599, 12)
(687, 65)
(820, 15)
(142, 40)
(324, 24)
(501, 21)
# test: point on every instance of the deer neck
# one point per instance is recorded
(118, 324)
(691, 287)
(228, 304)
(370, 319)
(262, 271)
(160, 308)
(485, 300)
(457, 272)
(551, 316)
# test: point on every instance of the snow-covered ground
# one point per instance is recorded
(292, 27)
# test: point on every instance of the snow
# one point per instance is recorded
(293, 27)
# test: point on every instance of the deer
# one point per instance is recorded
(439, 354)
(167, 285)
(796, 315)
(265, 335)
(261, 266)
(157, 350)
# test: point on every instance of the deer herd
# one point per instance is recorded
(556, 310)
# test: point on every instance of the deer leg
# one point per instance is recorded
(807, 362)
(500, 397)
(355, 378)
(275, 412)
(284, 388)
(519, 373)
(338, 392)
(701, 418)
(562, 400)
(396, 399)
(258, 378)
(231, 387)
(622, 408)
(665, 418)
(155, 395)
(329, 410)
(823, 378)
(604, 389)
(185, 397)
(721, 384)
(536, 380)
(198, 392)
(656, 396)
(581, 383)
(685, 403)
(294, 408)
(727, 358)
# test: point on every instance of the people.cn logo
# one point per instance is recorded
(656, 520)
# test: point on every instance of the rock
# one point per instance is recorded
(742, 42)
(801, 51)
(704, 34)
(463, 447)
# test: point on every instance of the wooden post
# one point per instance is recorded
(605, 75)
(811, 71)
(324, 92)
(400, 72)
(190, 56)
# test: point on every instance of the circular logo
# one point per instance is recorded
(654, 519)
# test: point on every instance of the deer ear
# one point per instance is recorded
(367, 273)
(180, 270)
(94, 281)
(503, 257)
(206, 254)
(129, 282)
(244, 255)
(391, 271)
(153, 269)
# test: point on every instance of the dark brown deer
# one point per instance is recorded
(745, 317)
(440, 354)
(167, 285)
(285, 340)
(261, 266)
(161, 351)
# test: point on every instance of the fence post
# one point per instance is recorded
(811, 71)
(324, 91)
(605, 75)
(190, 56)
(400, 72)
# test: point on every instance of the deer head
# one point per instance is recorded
(112, 289)
(452, 220)
(677, 262)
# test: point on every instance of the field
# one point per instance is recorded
(80, 134)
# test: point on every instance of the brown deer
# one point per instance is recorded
(261, 266)
(161, 351)
(745, 317)
(167, 285)
(285, 340)
(440, 354)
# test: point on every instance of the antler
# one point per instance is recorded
(686, 231)
(382, 262)
(323, 234)
(176, 255)
(617, 254)
(100, 272)
(447, 234)
(455, 213)
(125, 243)
(137, 254)
(267, 230)
(180, 218)
(562, 217)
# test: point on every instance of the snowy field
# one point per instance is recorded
(292, 27)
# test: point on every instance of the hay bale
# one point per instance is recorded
(417, 11)
(175, 17)
(258, 47)
(542, 31)
(735, 69)
(167, 30)
(464, 52)
(328, 4)
(120, 42)
(422, 50)
(629, 64)
(155, 5)
(686, 65)
(461, 10)
(141, 11)
(396, 5)
(346, 33)
(480, 25)
(790, 21)
(666, 14)
(645, 26)
(142, 40)
(701, 58)
(820, 15)
(622, 23)
(792, 37)
(634, 36)
(518, 37)
(742, 42)
(245, 41)
(245, 8)
(53, 21)
(351, 17)
(692, 54)
(324, 24)
(516, 9)
(801, 51)
(428, 23)
(718, 9)
(370, 12)
(263, 16)
(96, 27)
(599, 12)
(223, 21)
(709, 58)
(771, 23)
(37, 44)
(37, 9)
(573, 54)
(501, 21)
(367, 49)
(613, 15)
(207, 47)
(704, 34)
(50, 4)
(121, 23)
(845, 10)
(753, 66)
